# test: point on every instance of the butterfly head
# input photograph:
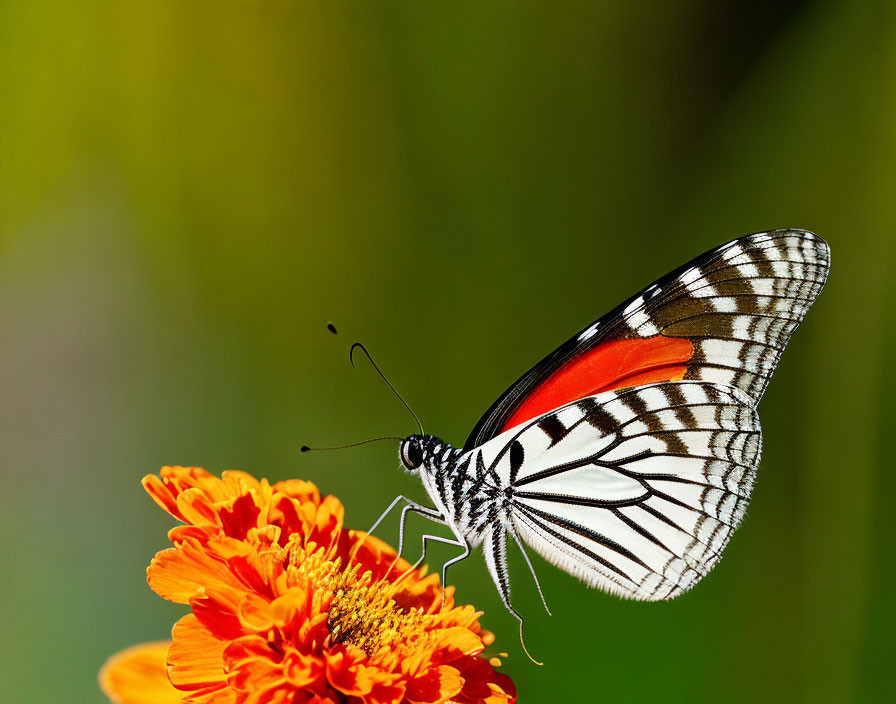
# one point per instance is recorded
(416, 451)
(412, 452)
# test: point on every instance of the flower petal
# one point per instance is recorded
(139, 675)
(240, 518)
(437, 685)
(223, 612)
(483, 684)
(298, 489)
(254, 664)
(180, 573)
(348, 672)
(196, 657)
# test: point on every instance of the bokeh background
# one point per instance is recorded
(190, 191)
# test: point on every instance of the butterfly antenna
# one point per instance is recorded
(305, 448)
(351, 352)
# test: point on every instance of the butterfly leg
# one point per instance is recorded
(453, 560)
(416, 508)
(446, 541)
(410, 505)
(459, 542)
(398, 499)
(494, 548)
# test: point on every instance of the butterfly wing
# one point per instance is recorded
(726, 316)
(635, 491)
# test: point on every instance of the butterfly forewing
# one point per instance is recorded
(725, 317)
(635, 491)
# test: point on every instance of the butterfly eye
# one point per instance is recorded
(411, 455)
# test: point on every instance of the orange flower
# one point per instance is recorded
(289, 607)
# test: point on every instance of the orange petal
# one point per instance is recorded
(386, 693)
(347, 672)
(254, 664)
(196, 657)
(342, 670)
(192, 495)
(197, 507)
(240, 518)
(448, 644)
(139, 675)
(173, 481)
(222, 612)
(437, 685)
(212, 695)
(236, 483)
(284, 512)
(298, 489)
(161, 494)
(482, 684)
(327, 522)
(456, 642)
(178, 574)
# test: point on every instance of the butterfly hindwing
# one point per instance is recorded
(726, 317)
(635, 491)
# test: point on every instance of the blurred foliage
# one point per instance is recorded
(189, 191)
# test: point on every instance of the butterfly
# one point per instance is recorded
(627, 456)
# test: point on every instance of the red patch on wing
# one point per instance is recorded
(619, 364)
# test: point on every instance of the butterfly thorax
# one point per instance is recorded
(455, 482)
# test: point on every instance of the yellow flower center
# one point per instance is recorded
(362, 611)
(364, 614)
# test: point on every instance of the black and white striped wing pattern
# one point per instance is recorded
(725, 316)
(634, 491)
(739, 306)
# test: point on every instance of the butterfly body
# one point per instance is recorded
(627, 456)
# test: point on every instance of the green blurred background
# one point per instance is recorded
(190, 191)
